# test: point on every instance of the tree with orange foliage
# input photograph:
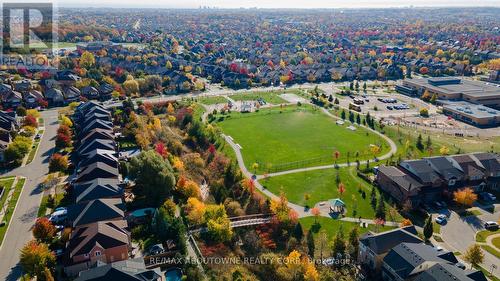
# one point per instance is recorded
(35, 257)
(465, 197)
(405, 222)
(44, 230)
(316, 213)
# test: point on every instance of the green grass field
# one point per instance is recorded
(332, 226)
(11, 206)
(481, 235)
(496, 242)
(269, 97)
(321, 186)
(275, 139)
(491, 250)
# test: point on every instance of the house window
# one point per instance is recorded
(452, 182)
(86, 255)
(97, 253)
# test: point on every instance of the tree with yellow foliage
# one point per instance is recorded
(465, 197)
(280, 207)
(195, 210)
(170, 108)
(87, 60)
(444, 150)
(310, 272)
(405, 222)
(66, 121)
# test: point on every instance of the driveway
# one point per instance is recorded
(19, 230)
(459, 233)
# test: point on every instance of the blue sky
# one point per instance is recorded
(273, 3)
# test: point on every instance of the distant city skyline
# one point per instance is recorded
(312, 4)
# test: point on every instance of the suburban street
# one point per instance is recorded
(460, 233)
(19, 230)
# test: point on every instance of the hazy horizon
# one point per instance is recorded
(297, 4)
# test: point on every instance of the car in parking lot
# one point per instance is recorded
(441, 219)
(389, 107)
(491, 225)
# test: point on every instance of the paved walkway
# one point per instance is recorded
(9, 197)
(25, 213)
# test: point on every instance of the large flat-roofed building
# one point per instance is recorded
(453, 88)
(473, 114)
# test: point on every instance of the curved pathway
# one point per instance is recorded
(301, 210)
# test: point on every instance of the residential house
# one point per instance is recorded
(373, 247)
(67, 78)
(12, 99)
(472, 169)
(71, 94)
(96, 189)
(104, 241)
(31, 98)
(54, 97)
(400, 185)
(95, 171)
(105, 91)
(91, 145)
(491, 164)
(418, 261)
(452, 176)
(105, 209)
(127, 270)
(90, 93)
(425, 174)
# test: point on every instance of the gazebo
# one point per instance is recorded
(337, 206)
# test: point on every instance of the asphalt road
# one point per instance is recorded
(459, 234)
(19, 231)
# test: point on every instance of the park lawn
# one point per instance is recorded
(296, 137)
(332, 226)
(491, 250)
(6, 183)
(11, 207)
(269, 97)
(321, 186)
(454, 144)
(210, 100)
(496, 242)
(481, 235)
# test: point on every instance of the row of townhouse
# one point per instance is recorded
(99, 246)
(399, 254)
(55, 91)
(8, 126)
(436, 178)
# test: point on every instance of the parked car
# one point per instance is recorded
(441, 219)
(486, 196)
(58, 216)
(37, 137)
(491, 225)
(460, 265)
(389, 107)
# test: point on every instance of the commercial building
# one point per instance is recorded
(453, 88)
(473, 114)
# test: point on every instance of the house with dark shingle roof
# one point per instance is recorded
(104, 241)
(127, 270)
(473, 171)
(108, 157)
(408, 261)
(452, 176)
(96, 170)
(85, 213)
(373, 247)
(96, 189)
(399, 185)
(491, 164)
(94, 144)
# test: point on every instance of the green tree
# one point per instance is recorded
(87, 60)
(354, 243)
(310, 243)
(298, 232)
(373, 198)
(420, 144)
(428, 143)
(380, 211)
(342, 114)
(154, 177)
(339, 244)
(428, 228)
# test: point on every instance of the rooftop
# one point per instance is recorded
(473, 110)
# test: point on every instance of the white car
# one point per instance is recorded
(441, 219)
(58, 216)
